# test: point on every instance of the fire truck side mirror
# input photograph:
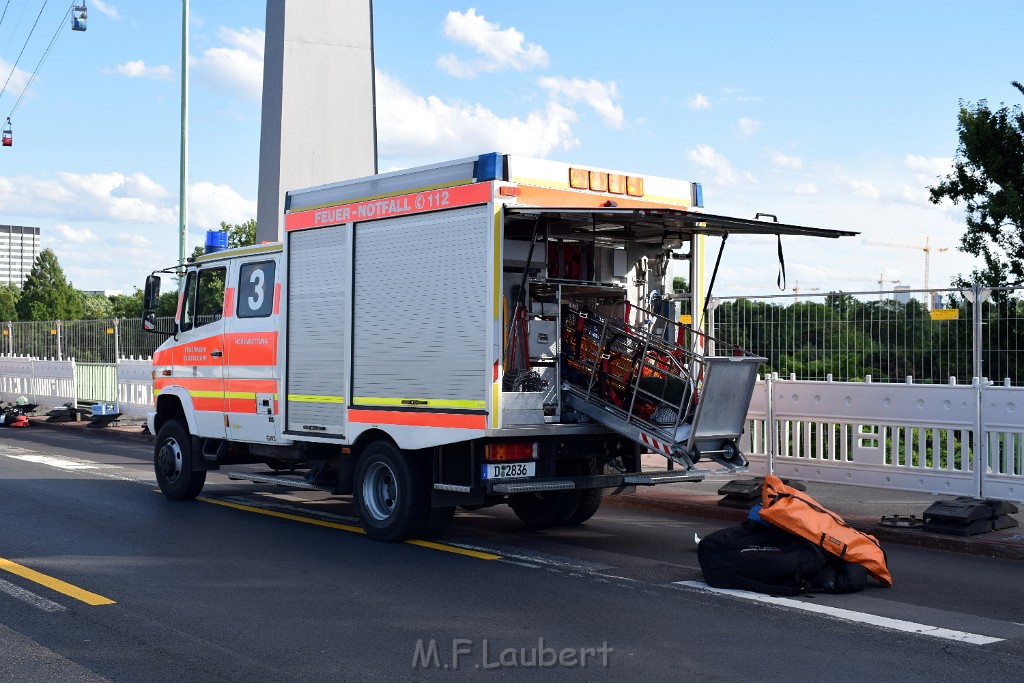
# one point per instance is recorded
(149, 321)
(151, 296)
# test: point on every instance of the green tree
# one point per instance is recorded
(9, 301)
(126, 306)
(988, 177)
(95, 306)
(47, 294)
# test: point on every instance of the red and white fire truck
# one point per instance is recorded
(488, 330)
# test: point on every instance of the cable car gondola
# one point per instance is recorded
(79, 17)
(8, 137)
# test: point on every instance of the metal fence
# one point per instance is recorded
(86, 341)
(887, 336)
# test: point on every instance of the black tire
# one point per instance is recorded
(588, 501)
(438, 520)
(392, 493)
(544, 510)
(587, 504)
(172, 460)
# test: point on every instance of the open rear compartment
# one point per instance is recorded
(579, 351)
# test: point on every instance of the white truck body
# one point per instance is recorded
(398, 307)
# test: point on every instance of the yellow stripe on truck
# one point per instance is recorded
(419, 403)
(309, 398)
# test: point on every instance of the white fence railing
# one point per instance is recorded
(953, 439)
(959, 439)
(52, 383)
(46, 382)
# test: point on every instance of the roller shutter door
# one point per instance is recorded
(319, 279)
(420, 310)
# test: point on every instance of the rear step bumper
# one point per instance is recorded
(601, 481)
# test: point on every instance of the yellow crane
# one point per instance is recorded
(927, 249)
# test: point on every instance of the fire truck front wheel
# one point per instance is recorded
(172, 459)
(392, 493)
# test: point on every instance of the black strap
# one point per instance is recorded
(780, 281)
(711, 285)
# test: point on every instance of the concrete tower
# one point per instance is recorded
(319, 124)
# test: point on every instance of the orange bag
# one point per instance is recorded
(799, 514)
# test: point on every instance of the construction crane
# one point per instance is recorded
(797, 289)
(927, 249)
(881, 281)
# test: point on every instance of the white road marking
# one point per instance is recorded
(69, 465)
(31, 598)
(850, 615)
(59, 463)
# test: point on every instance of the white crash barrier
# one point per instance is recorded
(914, 437)
(135, 387)
(48, 383)
(911, 437)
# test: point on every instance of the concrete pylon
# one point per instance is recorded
(319, 124)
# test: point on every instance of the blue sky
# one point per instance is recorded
(826, 114)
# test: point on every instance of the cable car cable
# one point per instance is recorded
(36, 23)
(59, 31)
(2, 16)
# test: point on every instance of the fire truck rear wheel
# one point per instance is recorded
(544, 510)
(392, 493)
(437, 521)
(588, 502)
(172, 459)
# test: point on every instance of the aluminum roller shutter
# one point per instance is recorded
(318, 283)
(421, 310)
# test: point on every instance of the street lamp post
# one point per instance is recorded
(183, 179)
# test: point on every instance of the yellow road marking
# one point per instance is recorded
(54, 584)
(453, 549)
(284, 515)
(348, 527)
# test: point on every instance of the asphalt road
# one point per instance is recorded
(102, 578)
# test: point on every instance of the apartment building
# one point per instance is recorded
(19, 247)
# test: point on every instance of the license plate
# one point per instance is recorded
(510, 470)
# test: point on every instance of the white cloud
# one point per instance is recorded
(209, 204)
(105, 8)
(698, 102)
(410, 125)
(805, 188)
(736, 95)
(94, 196)
(237, 67)
(499, 49)
(785, 161)
(16, 80)
(138, 69)
(601, 96)
(749, 126)
(861, 188)
(933, 166)
(724, 172)
(75, 235)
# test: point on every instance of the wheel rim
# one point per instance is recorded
(170, 460)
(380, 491)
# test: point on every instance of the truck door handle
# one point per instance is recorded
(216, 353)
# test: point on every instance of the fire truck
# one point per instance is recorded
(489, 330)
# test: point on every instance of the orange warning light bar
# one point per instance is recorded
(635, 186)
(579, 178)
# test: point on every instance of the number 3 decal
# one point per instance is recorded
(256, 278)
